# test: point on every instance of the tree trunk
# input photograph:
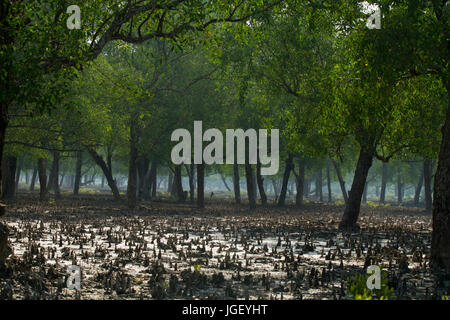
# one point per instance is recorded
(9, 178)
(17, 180)
(427, 168)
(107, 171)
(179, 184)
(143, 168)
(53, 181)
(399, 187)
(191, 171)
(76, 187)
(33, 179)
(300, 182)
(201, 185)
(366, 186)
(236, 184)
(170, 181)
(42, 169)
(440, 243)
(418, 188)
(330, 196)
(353, 205)
(384, 173)
(341, 180)
(260, 181)
(275, 188)
(154, 177)
(224, 180)
(250, 185)
(287, 171)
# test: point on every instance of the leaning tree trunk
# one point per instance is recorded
(236, 184)
(17, 180)
(353, 205)
(440, 243)
(418, 188)
(341, 180)
(107, 171)
(384, 173)
(42, 169)
(287, 172)
(33, 179)
(260, 181)
(427, 168)
(201, 185)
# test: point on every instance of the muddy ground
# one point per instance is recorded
(165, 250)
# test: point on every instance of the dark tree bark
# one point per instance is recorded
(76, 187)
(143, 168)
(275, 188)
(330, 196)
(236, 183)
(9, 178)
(384, 176)
(366, 186)
(33, 179)
(201, 185)
(149, 182)
(341, 180)
(191, 172)
(418, 189)
(399, 187)
(300, 182)
(250, 185)
(353, 205)
(17, 180)
(53, 181)
(107, 171)
(170, 181)
(427, 168)
(260, 182)
(42, 170)
(287, 171)
(178, 184)
(154, 177)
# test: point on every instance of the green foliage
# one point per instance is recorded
(357, 288)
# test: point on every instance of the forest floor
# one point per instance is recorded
(165, 250)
